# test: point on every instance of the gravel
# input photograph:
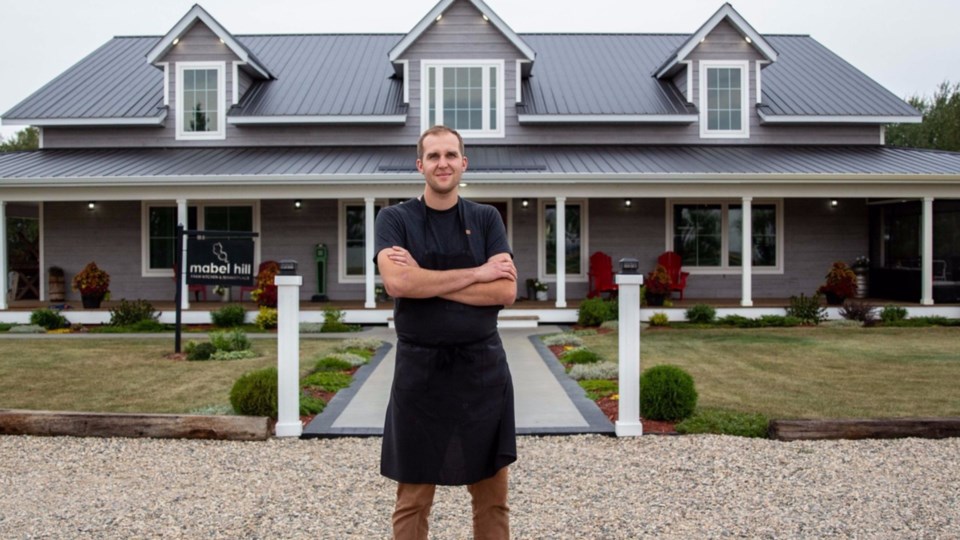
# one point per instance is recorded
(561, 487)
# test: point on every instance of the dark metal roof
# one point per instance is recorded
(277, 164)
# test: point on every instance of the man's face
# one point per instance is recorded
(442, 165)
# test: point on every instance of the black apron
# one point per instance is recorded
(450, 419)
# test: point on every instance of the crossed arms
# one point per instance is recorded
(490, 284)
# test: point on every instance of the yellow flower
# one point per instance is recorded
(615, 397)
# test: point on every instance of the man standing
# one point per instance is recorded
(450, 419)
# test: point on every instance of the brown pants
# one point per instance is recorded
(490, 512)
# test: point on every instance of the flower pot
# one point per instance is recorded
(91, 301)
(654, 299)
(542, 296)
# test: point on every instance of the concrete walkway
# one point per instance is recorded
(546, 400)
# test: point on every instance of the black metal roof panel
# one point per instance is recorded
(581, 163)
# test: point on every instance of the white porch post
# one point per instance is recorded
(183, 220)
(368, 210)
(288, 351)
(628, 419)
(3, 255)
(561, 249)
(746, 226)
(926, 272)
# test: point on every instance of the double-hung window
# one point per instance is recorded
(353, 237)
(709, 236)
(574, 237)
(464, 95)
(201, 100)
(724, 88)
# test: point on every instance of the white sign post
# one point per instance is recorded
(288, 350)
(628, 420)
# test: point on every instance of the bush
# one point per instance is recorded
(370, 344)
(200, 351)
(49, 319)
(311, 405)
(580, 356)
(611, 325)
(333, 322)
(598, 388)
(856, 310)
(595, 311)
(27, 329)
(128, 313)
(807, 309)
(233, 355)
(353, 359)
(311, 328)
(255, 393)
(725, 423)
(739, 321)
(893, 314)
(667, 393)
(328, 381)
(767, 321)
(329, 363)
(602, 370)
(228, 316)
(659, 319)
(563, 339)
(701, 314)
(267, 318)
(6, 326)
(234, 340)
(148, 326)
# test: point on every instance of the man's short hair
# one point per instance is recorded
(437, 130)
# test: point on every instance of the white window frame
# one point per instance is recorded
(220, 133)
(744, 131)
(725, 204)
(584, 242)
(145, 207)
(342, 276)
(425, 65)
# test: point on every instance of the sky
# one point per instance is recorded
(908, 46)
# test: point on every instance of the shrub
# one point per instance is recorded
(563, 339)
(49, 319)
(667, 393)
(255, 393)
(267, 318)
(856, 310)
(311, 405)
(353, 359)
(580, 356)
(5, 326)
(328, 381)
(200, 351)
(233, 355)
(778, 321)
(841, 282)
(893, 314)
(127, 313)
(311, 328)
(739, 321)
(333, 321)
(601, 370)
(611, 325)
(228, 316)
(328, 363)
(266, 292)
(234, 340)
(148, 326)
(598, 388)
(27, 329)
(370, 344)
(725, 423)
(702, 314)
(595, 311)
(807, 309)
(659, 319)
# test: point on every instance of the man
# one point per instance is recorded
(450, 419)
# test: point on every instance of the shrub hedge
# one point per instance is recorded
(667, 393)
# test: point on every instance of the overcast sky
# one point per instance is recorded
(909, 46)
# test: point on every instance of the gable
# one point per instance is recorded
(724, 42)
(199, 44)
(462, 33)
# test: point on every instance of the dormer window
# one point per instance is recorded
(201, 100)
(723, 99)
(464, 95)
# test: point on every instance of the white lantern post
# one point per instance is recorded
(288, 350)
(629, 282)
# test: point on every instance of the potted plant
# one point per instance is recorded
(265, 295)
(861, 267)
(841, 283)
(93, 284)
(657, 286)
(222, 292)
(540, 288)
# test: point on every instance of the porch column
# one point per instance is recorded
(182, 219)
(3, 256)
(926, 265)
(561, 249)
(368, 210)
(746, 226)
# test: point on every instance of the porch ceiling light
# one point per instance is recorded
(628, 203)
(834, 203)
(91, 205)
(525, 203)
(297, 204)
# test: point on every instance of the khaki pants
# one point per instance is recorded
(490, 512)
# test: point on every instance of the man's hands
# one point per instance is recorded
(499, 266)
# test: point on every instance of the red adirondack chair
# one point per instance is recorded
(678, 278)
(197, 290)
(601, 275)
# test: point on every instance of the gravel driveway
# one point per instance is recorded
(562, 487)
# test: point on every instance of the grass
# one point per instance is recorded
(123, 375)
(810, 372)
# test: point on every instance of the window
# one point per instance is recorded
(723, 99)
(160, 230)
(201, 100)
(464, 95)
(353, 230)
(708, 236)
(575, 234)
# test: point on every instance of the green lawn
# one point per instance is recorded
(125, 375)
(811, 372)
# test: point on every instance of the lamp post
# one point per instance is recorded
(629, 281)
(288, 350)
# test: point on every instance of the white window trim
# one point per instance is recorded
(744, 132)
(146, 271)
(725, 267)
(342, 276)
(425, 65)
(220, 133)
(582, 277)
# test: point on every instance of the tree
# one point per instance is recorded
(940, 128)
(25, 139)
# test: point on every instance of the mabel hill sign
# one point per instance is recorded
(219, 262)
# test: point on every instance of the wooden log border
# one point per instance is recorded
(160, 426)
(864, 428)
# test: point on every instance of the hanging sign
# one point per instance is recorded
(219, 261)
